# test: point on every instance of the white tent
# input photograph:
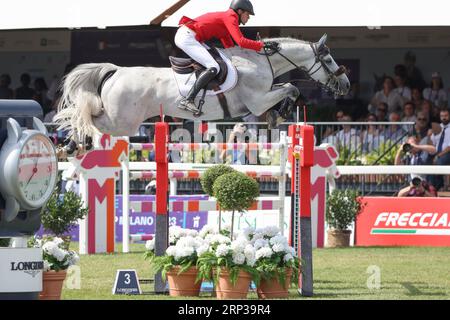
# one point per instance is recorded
(31, 14)
(296, 13)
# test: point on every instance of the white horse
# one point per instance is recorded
(120, 104)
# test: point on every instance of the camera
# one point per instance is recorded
(416, 181)
(407, 148)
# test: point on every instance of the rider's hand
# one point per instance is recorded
(271, 46)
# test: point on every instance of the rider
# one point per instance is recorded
(221, 25)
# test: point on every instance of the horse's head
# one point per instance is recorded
(325, 70)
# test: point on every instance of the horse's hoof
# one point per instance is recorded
(271, 119)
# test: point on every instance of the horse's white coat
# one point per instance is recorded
(134, 94)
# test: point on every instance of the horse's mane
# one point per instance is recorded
(282, 40)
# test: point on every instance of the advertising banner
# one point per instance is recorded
(388, 221)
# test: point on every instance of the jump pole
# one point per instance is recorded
(301, 154)
(162, 184)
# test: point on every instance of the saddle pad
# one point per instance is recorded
(186, 81)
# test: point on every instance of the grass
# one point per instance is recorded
(405, 273)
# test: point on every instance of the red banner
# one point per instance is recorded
(404, 222)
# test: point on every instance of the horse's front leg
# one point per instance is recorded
(271, 98)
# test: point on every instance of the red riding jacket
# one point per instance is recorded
(223, 26)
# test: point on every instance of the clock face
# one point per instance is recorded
(37, 170)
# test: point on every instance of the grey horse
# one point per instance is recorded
(133, 94)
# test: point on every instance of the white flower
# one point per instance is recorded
(288, 257)
(222, 250)
(171, 251)
(47, 265)
(279, 247)
(207, 229)
(238, 245)
(182, 252)
(265, 252)
(227, 227)
(271, 231)
(58, 241)
(217, 238)
(49, 247)
(150, 245)
(251, 262)
(247, 232)
(261, 243)
(238, 258)
(59, 254)
(249, 253)
(279, 239)
(202, 249)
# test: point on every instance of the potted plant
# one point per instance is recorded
(343, 206)
(229, 265)
(57, 259)
(178, 264)
(62, 213)
(276, 262)
(4, 242)
(235, 191)
(209, 177)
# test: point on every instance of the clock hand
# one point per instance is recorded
(34, 172)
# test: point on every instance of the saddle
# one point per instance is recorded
(188, 66)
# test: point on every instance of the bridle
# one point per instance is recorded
(332, 83)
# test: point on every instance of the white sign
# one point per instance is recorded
(21, 270)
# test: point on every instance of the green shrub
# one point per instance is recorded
(342, 208)
(235, 191)
(209, 177)
(4, 242)
(61, 214)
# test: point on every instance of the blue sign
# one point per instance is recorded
(127, 282)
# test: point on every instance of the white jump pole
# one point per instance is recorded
(125, 205)
(282, 179)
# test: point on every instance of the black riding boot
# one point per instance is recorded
(203, 79)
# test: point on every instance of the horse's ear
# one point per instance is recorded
(322, 40)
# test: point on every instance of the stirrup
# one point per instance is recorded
(187, 105)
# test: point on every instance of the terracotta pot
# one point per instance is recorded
(183, 284)
(52, 285)
(338, 238)
(226, 290)
(272, 288)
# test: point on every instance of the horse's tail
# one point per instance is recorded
(80, 100)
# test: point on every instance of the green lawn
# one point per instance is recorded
(405, 273)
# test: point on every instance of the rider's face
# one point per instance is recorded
(244, 17)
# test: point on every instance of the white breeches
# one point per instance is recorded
(185, 40)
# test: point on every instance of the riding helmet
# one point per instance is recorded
(245, 5)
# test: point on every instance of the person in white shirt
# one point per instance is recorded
(442, 143)
(408, 114)
(387, 95)
(435, 92)
(348, 137)
(402, 89)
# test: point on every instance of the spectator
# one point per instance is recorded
(240, 156)
(329, 135)
(414, 78)
(371, 138)
(416, 98)
(395, 132)
(387, 95)
(435, 92)
(5, 91)
(24, 92)
(421, 125)
(426, 108)
(41, 94)
(382, 111)
(409, 112)
(415, 152)
(401, 88)
(348, 137)
(418, 187)
(442, 143)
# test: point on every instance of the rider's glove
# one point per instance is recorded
(271, 46)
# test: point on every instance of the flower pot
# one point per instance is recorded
(226, 290)
(52, 285)
(183, 284)
(338, 238)
(273, 289)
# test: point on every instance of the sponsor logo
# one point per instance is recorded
(412, 223)
(29, 267)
